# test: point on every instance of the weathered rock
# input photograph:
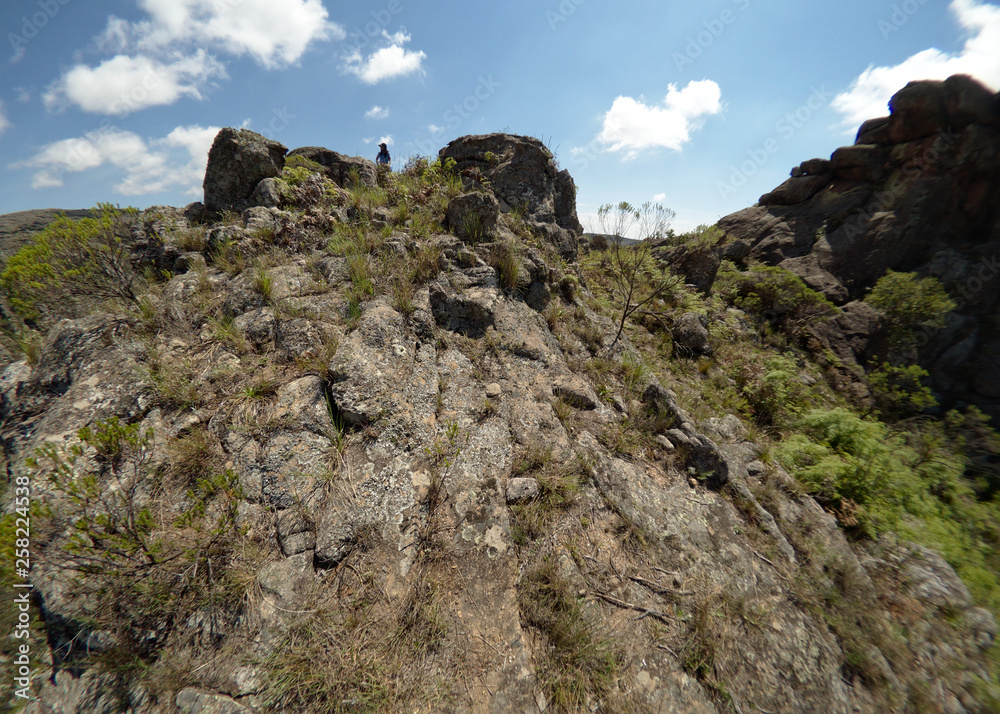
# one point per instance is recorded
(266, 193)
(967, 101)
(238, 160)
(522, 174)
(736, 251)
(284, 586)
(930, 579)
(198, 701)
(810, 269)
(861, 162)
(916, 193)
(856, 335)
(473, 216)
(575, 392)
(296, 532)
(699, 264)
(917, 110)
(221, 237)
(690, 333)
(87, 692)
(815, 167)
(189, 262)
(874, 131)
(340, 168)
(926, 107)
(467, 306)
(259, 326)
(795, 190)
(522, 490)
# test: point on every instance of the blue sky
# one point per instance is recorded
(701, 106)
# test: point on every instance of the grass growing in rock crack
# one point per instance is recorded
(506, 258)
(174, 381)
(581, 664)
(263, 283)
(193, 456)
(355, 648)
(558, 488)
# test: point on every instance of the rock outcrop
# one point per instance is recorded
(238, 160)
(919, 191)
(523, 175)
(337, 167)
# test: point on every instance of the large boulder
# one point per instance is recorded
(238, 160)
(795, 190)
(874, 131)
(522, 174)
(338, 167)
(861, 162)
(928, 106)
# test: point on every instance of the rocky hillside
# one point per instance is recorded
(919, 191)
(348, 440)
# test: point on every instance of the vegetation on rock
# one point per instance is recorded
(355, 453)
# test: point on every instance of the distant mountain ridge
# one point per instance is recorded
(17, 228)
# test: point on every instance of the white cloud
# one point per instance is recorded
(387, 140)
(4, 121)
(124, 84)
(869, 93)
(660, 198)
(169, 55)
(631, 126)
(387, 62)
(273, 33)
(377, 112)
(174, 162)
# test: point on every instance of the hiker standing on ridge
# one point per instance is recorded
(383, 158)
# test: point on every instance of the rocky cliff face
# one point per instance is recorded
(919, 191)
(346, 460)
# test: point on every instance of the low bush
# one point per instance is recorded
(138, 569)
(910, 305)
(74, 265)
(772, 389)
(774, 295)
(852, 465)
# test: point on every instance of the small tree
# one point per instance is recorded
(637, 279)
(73, 264)
(910, 304)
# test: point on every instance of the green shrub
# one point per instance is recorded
(772, 390)
(910, 304)
(135, 575)
(852, 465)
(774, 295)
(73, 265)
(898, 391)
(701, 237)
